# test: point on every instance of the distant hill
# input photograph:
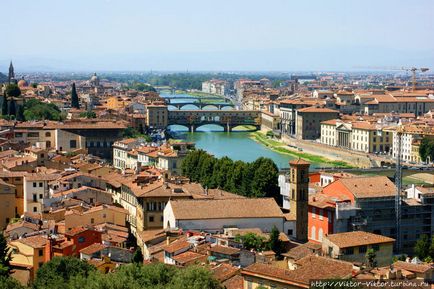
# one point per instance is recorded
(3, 78)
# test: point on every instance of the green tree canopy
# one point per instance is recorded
(74, 97)
(57, 272)
(140, 86)
(257, 179)
(251, 241)
(422, 247)
(12, 90)
(88, 114)
(426, 149)
(10, 283)
(5, 256)
(138, 256)
(5, 104)
(274, 243)
(37, 110)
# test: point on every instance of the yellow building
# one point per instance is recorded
(352, 247)
(28, 254)
(16, 179)
(96, 215)
(156, 116)
(115, 103)
(7, 203)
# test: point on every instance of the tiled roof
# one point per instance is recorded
(187, 256)
(89, 250)
(224, 250)
(176, 246)
(369, 187)
(418, 268)
(37, 241)
(228, 208)
(314, 109)
(235, 282)
(224, 271)
(299, 161)
(357, 238)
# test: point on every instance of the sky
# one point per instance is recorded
(220, 35)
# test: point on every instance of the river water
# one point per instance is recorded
(236, 145)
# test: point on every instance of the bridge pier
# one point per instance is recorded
(192, 128)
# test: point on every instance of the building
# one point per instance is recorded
(352, 247)
(214, 215)
(36, 190)
(29, 254)
(8, 209)
(96, 215)
(121, 149)
(308, 121)
(215, 86)
(308, 268)
(360, 136)
(156, 116)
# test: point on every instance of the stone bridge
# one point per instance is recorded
(201, 105)
(228, 119)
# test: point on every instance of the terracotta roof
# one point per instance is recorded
(176, 246)
(228, 208)
(187, 257)
(37, 241)
(357, 238)
(303, 250)
(42, 177)
(224, 250)
(224, 271)
(314, 109)
(235, 282)
(299, 161)
(426, 190)
(369, 187)
(96, 247)
(418, 268)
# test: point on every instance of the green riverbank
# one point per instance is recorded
(282, 148)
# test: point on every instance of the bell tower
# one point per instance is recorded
(299, 196)
(11, 75)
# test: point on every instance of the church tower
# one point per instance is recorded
(299, 196)
(11, 75)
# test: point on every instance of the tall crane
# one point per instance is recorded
(413, 70)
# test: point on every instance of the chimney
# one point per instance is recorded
(167, 240)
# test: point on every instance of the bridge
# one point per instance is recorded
(201, 105)
(228, 119)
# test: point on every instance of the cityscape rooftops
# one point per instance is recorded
(357, 238)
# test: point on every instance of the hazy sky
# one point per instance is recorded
(215, 35)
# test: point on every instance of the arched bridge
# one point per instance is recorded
(197, 98)
(201, 105)
(228, 119)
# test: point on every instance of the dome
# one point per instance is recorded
(22, 83)
(94, 77)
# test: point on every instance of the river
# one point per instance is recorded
(236, 145)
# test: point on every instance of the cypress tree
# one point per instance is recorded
(5, 256)
(5, 105)
(74, 97)
(20, 113)
(12, 108)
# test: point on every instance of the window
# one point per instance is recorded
(35, 209)
(376, 247)
(41, 196)
(34, 185)
(48, 134)
(104, 216)
(313, 233)
(35, 198)
(40, 185)
(41, 252)
(313, 212)
(320, 233)
(73, 143)
(290, 232)
(151, 218)
(349, 251)
(363, 249)
(320, 214)
(92, 220)
(81, 239)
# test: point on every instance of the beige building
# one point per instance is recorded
(308, 121)
(8, 209)
(156, 116)
(352, 247)
(96, 215)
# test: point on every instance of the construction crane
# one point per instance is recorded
(398, 185)
(413, 70)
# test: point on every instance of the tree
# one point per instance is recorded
(422, 247)
(88, 114)
(370, 256)
(426, 149)
(38, 110)
(251, 241)
(12, 109)
(5, 104)
(138, 256)
(265, 179)
(57, 272)
(10, 283)
(74, 97)
(194, 277)
(20, 113)
(12, 90)
(431, 248)
(274, 243)
(5, 256)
